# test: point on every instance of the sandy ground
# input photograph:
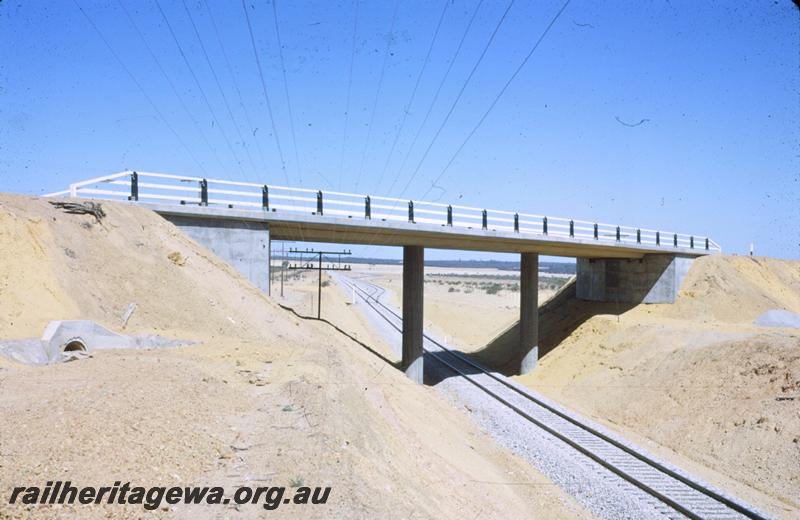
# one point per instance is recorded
(695, 382)
(266, 398)
(727, 392)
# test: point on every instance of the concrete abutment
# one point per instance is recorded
(243, 244)
(651, 279)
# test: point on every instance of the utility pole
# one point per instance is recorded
(309, 265)
(283, 264)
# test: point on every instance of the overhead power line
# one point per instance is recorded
(435, 96)
(407, 108)
(458, 97)
(219, 87)
(172, 86)
(286, 91)
(266, 95)
(248, 119)
(349, 88)
(139, 86)
(200, 87)
(378, 91)
(499, 95)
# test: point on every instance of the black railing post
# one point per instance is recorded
(411, 211)
(544, 225)
(319, 203)
(516, 222)
(706, 244)
(571, 228)
(638, 236)
(675, 240)
(618, 234)
(134, 186)
(450, 216)
(658, 238)
(265, 197)
(367, 207)
(204, 192)
(596, 233)
(691, 241)
(484, 220)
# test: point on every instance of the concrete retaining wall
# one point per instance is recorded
(243, 244)
(653, 279)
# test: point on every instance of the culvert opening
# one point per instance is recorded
(75, 345)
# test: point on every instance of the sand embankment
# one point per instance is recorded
(264, 399)
(698, 377)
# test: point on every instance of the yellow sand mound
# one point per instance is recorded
(737, 289)
(697, 377)
(62, 266)
(264, 400)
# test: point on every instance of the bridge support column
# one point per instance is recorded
(529, 312)
(413, 288)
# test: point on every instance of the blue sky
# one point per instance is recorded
(715, 85)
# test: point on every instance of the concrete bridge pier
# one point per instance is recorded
(413, 289)
(529, 312)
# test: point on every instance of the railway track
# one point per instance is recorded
(676, 494)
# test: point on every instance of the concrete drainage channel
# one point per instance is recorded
(605, 473)
(68, 340)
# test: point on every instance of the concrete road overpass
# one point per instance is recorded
(237, 221)
(313, 227)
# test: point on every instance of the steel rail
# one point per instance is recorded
(739, 508)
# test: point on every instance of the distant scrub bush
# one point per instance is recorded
(493, 288)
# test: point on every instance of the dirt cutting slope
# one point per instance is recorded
(265, 399)
(696, 378)
(61, 266)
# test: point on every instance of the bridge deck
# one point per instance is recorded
(323, 228)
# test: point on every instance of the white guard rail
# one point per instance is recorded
(179, 189)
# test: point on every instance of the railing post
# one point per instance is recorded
(319, 202)
(706, 244)
(638, 236)
(516, 222)
(204, 192)
(484, 220)
(544, 225)
(411, 211)
(367, 208)
(675, 240)
(691, 241)
(596, 234)
(571, 229)
(658, 238)
(618, 234)
(450, 216)
(265, 197)
(134, 187)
